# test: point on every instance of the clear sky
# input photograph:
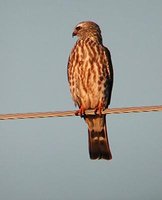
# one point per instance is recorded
(46, 159)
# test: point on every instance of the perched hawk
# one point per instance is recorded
(90, 76)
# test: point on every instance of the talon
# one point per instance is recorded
(80, 112)
(99, 108)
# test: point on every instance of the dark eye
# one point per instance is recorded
(78, 28)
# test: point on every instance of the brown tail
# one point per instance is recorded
(98, 139)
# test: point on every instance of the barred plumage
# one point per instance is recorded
(90, 76)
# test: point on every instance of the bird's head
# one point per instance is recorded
(87, 29)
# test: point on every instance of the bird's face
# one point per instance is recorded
(87, 29)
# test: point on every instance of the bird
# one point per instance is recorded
(90, 77)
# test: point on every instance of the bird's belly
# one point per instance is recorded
(89, 92)
(88, 77)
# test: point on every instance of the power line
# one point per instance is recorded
(33, 115)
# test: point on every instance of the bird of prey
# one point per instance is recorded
(90, 76)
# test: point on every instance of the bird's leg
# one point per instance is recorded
(99, 108)
(81, 111)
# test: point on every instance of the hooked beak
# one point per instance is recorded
(74, 33)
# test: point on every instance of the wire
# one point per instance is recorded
(72, 113)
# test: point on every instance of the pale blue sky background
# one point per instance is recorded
(46, 159)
